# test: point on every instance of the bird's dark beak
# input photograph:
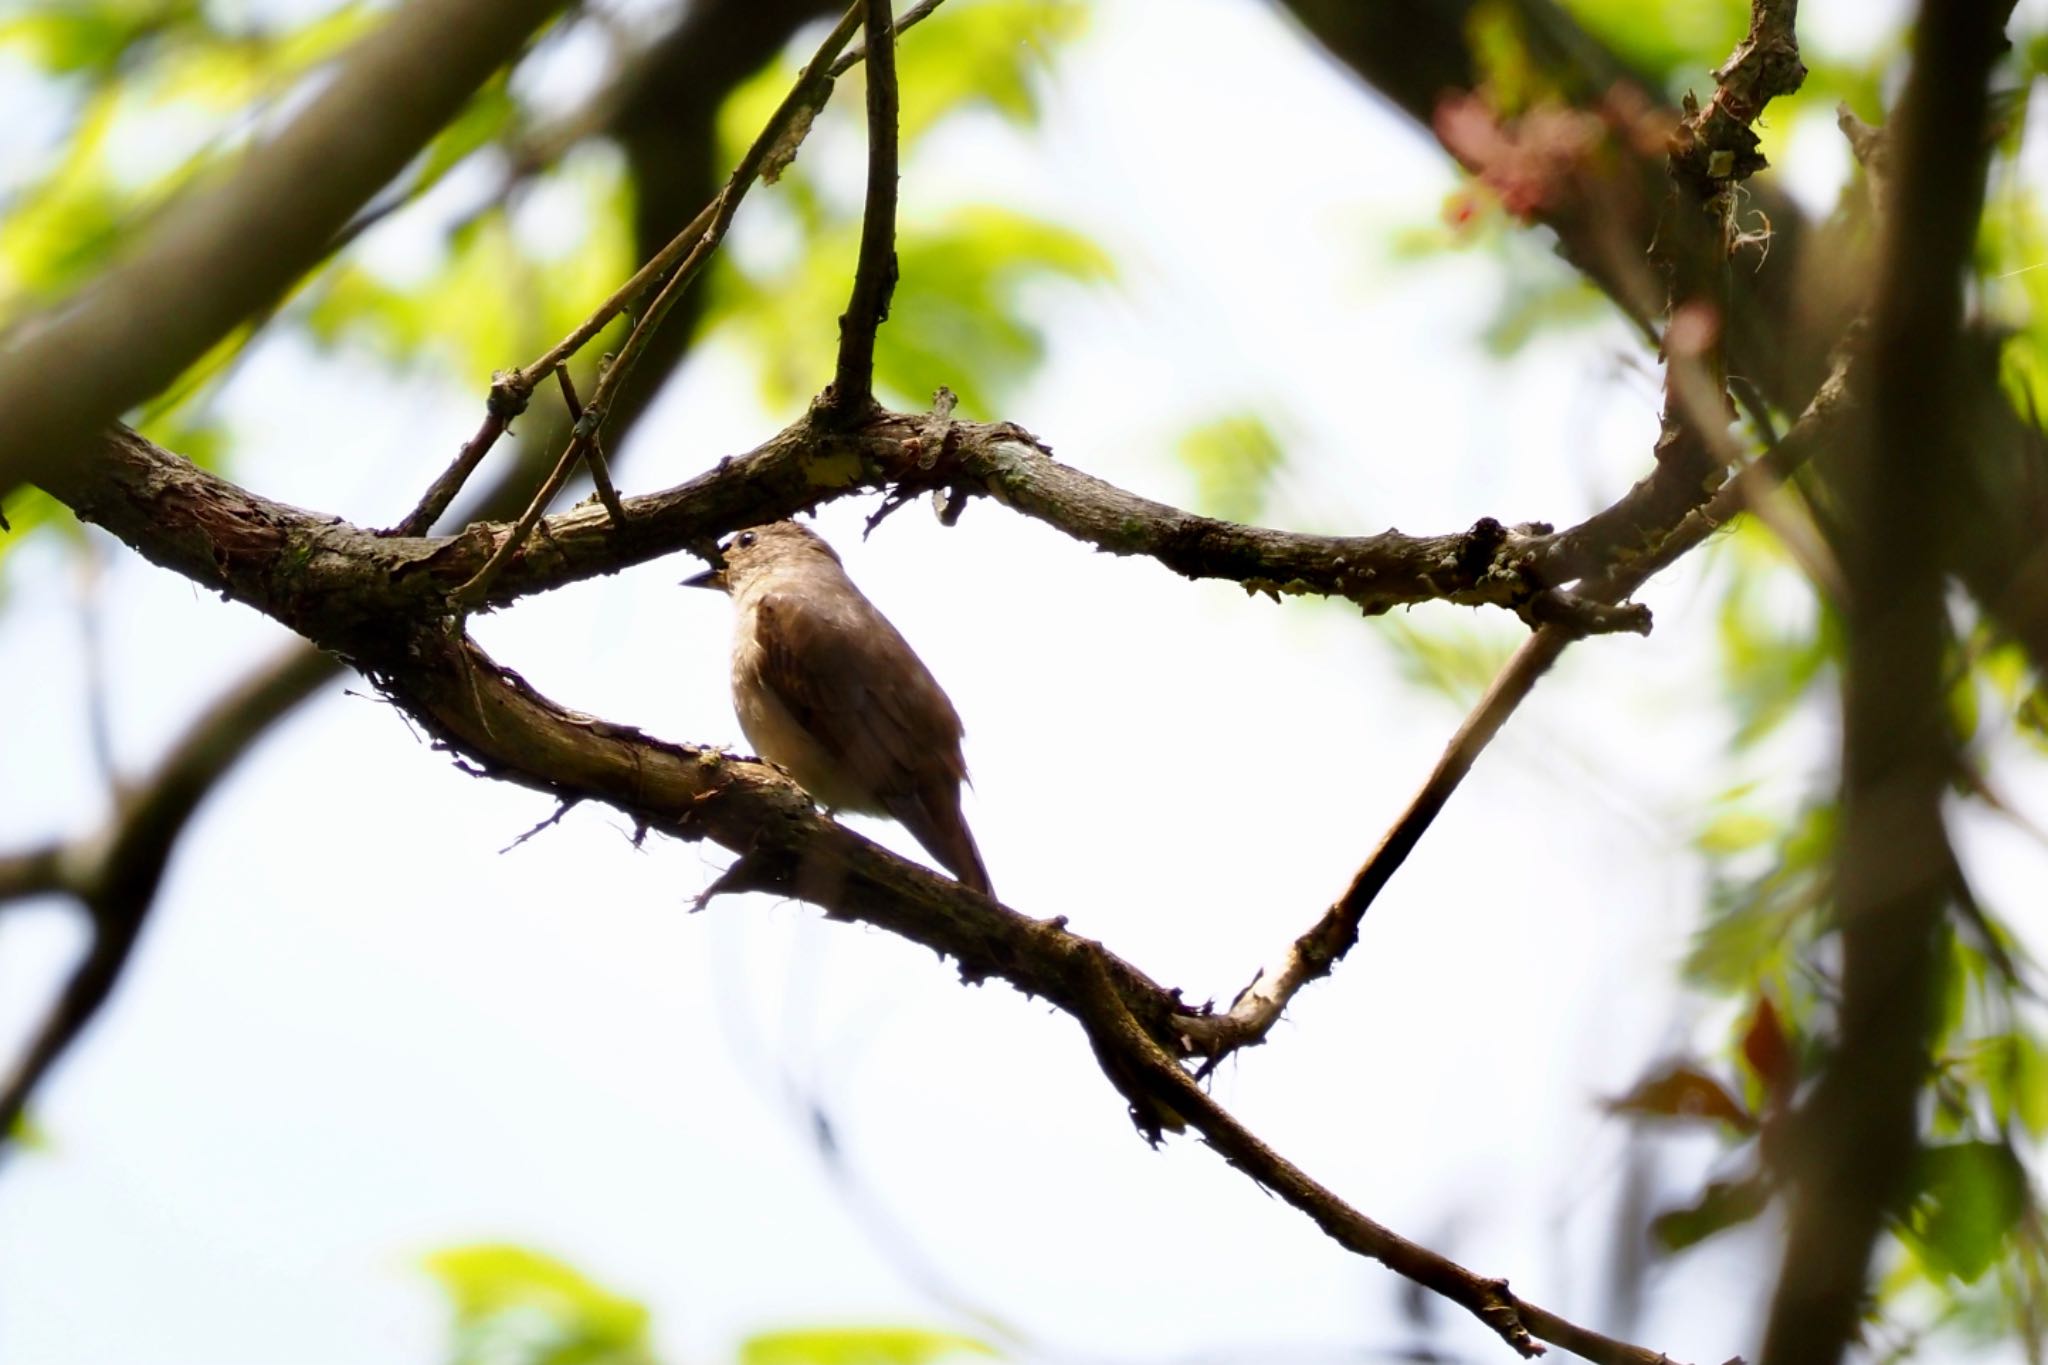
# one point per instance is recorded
(710, 578)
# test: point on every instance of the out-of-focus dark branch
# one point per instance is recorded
(38, 871)
(1853, 1141)
(115, 873)
(874, 276)
(224, 255)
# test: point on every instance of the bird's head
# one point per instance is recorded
(758, 550)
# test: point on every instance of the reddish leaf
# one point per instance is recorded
(1769, 1054)
(1684, 1092)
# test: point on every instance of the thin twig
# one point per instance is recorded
(1517, 1322)
(593, 454)
(1706, 163)
(586, 123)
(511, 390)
(874, 275)
(694, 243)
(657, 265)
(804, 97)
(510, 732)
(905, 22)
(471, 594)
(1258, 1007)
(435, 501)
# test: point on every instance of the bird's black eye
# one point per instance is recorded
(746, 540)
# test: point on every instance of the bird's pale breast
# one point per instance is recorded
(778, 737)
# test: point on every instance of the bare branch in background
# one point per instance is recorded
(114, 874)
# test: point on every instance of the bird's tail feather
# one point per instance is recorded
(934, 820)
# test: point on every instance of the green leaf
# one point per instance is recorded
(1964, 712)
(1968, 1196)
(1735, 831)
(1769, 664)
(957, 318)
(1667, 40)
(28, 1135)
(1234, 460)
(1457, 658)
(1722, 1205)
(514, 1306)
(859, 1346)
(987, 54)
(78, 38)
(490, 115)
(2013, 1069)
(1757, 926)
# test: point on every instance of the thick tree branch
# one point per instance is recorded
(275, 557)
(498, 722)
(1854, 1140)
(225, 254)
(1790, 305)
(288, 562)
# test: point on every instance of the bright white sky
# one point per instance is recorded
(357, 1033)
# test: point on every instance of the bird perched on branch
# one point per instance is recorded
(827, 689)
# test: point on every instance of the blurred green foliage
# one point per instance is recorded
(956, 318)
(516, 1306)
(160, 92)
(1967, 1260)
(157, 94)
(1234, 459)
(513, 1306)
(860, 1346)
(1455, 656)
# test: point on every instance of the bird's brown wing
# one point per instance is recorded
(854, 684)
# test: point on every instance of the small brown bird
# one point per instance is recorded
(827, 689)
